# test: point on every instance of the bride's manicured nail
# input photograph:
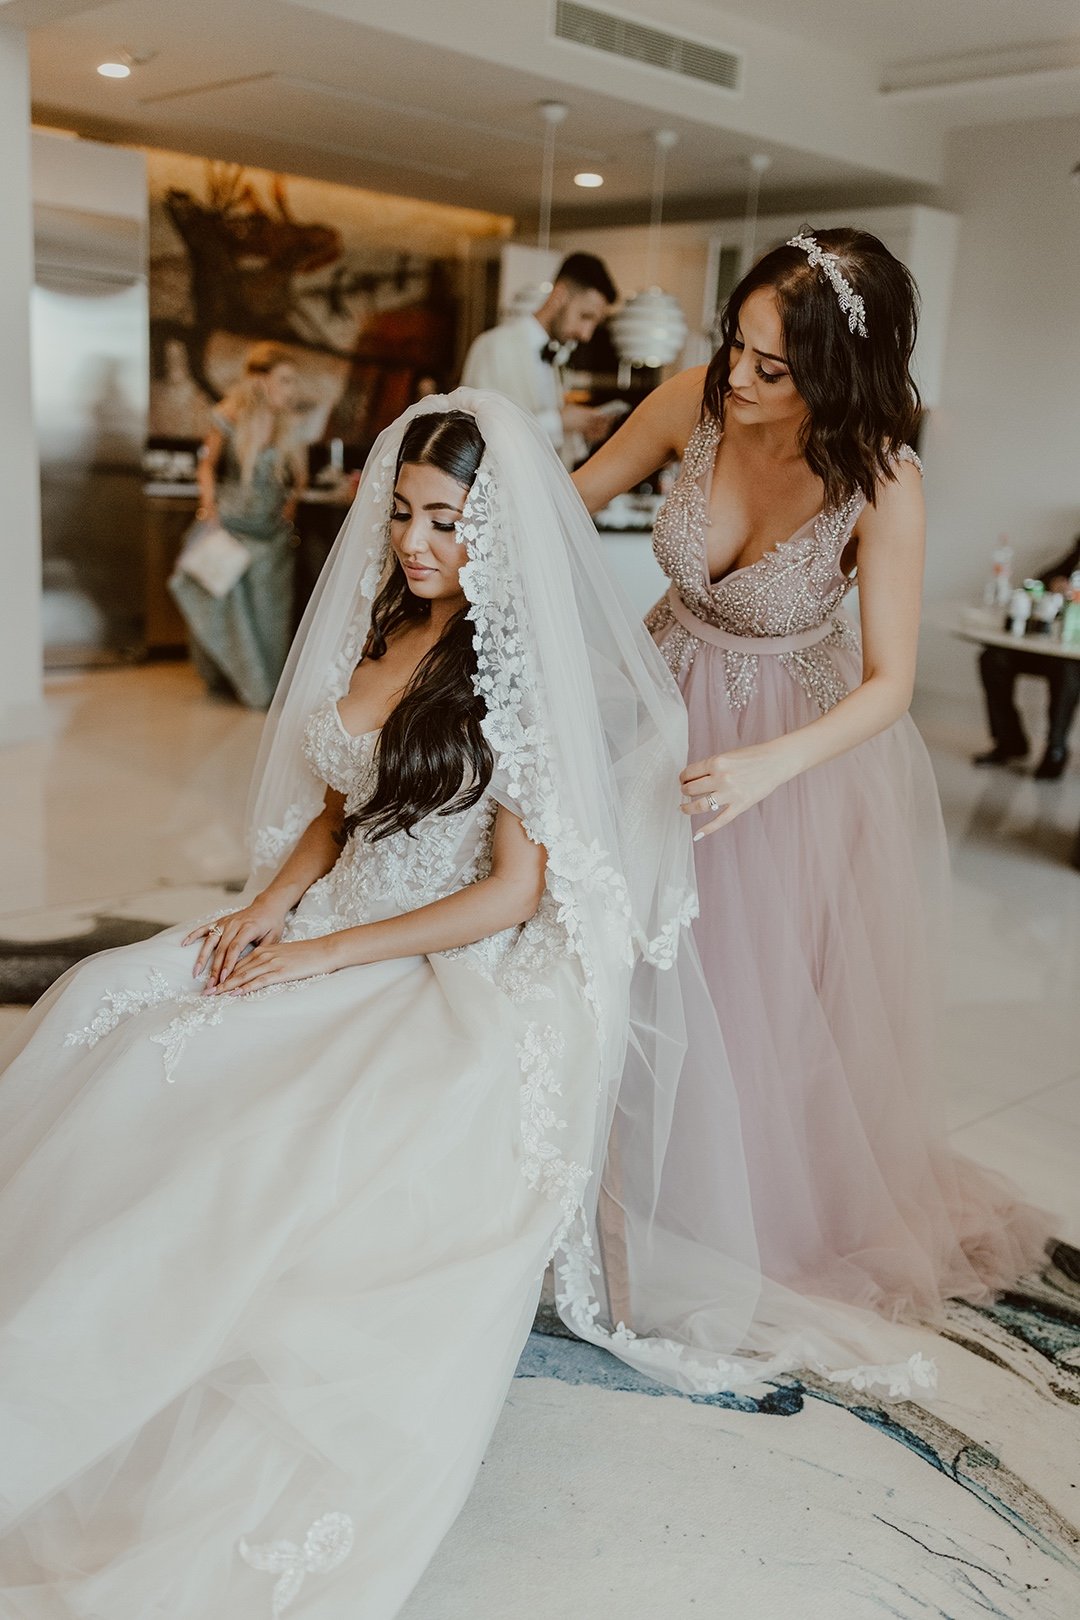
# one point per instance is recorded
(698, 837)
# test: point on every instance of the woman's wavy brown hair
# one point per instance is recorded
(432, 757)
(862, 401)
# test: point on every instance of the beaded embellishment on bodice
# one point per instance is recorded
(794, 588)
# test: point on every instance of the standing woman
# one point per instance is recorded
(818, 827)
(251, 473)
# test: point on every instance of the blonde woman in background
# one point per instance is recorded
(251, 474)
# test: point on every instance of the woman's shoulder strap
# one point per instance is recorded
(701, 446)
(906, 453)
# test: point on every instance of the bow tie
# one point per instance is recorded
(551, 351)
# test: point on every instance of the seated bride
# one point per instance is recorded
(279, 1189)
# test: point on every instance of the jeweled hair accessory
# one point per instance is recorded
(848, 299)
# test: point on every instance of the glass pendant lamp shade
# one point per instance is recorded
(650, 329)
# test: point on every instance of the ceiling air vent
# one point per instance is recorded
(654, 47)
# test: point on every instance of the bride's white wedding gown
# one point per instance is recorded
(269, 1261)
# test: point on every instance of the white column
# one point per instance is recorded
(22, 708)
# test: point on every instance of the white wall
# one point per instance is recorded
(21, 709)
(87, 175)
(1002, 450)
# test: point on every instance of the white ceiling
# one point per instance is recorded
(317, 87)
(266, 83)
(893, 31)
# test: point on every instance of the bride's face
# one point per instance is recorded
(423, 531)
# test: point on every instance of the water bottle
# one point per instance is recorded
(1019, 613)
(999, 585)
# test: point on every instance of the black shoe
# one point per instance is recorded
(1052, 765)
(999, 756)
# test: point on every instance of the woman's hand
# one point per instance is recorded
(282, 963)
(261, 923)
(288, 511)
(728, 784)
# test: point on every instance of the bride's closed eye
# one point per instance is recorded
(403, 517)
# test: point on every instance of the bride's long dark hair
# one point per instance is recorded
(432, 756)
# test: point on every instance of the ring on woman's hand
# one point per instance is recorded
(713, 802)
(217, 931)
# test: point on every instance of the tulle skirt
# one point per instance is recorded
(266, 1276)
(823, 916)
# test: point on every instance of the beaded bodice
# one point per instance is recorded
(792, 588)
(795, 588)
(374, 879)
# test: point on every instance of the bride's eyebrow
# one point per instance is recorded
(432, 506)
(761, 354)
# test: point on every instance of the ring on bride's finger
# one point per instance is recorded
(713, 802)
(217, 931)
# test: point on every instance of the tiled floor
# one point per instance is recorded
(142, 782)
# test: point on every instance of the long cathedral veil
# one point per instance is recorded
(655, 1254)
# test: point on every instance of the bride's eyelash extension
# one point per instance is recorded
(443, 528)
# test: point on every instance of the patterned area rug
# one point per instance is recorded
(37, 947)
(623, 1501)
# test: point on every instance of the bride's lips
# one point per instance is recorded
(738, 398)
(417, 571)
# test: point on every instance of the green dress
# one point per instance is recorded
(239, 641)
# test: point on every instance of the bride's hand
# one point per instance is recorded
(278, 964)
(728, 784)
(261, 923)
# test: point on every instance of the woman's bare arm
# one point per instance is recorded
(263, 921)
(206, 472)
(891, 544)
(315, 853)
(652, 434)
(509, 895)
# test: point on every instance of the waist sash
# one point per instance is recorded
(744, 644)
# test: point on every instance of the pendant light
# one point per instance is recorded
(760, 163)
(650, 329)
(528, 299)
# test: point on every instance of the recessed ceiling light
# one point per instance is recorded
(114, 70)
(588, 181)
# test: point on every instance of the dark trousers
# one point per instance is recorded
(999, 667)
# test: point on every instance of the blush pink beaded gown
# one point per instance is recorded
(820, 914)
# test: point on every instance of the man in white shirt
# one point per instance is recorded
(523, 358)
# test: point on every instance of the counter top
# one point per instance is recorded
(161, 491)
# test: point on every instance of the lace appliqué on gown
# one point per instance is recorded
(194, 1012)
(576, 1295)
(327, 1544)
(544, 1165)
(118, 1005)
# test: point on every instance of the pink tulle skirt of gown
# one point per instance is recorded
(822, 915)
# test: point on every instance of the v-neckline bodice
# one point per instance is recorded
(711, 584)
